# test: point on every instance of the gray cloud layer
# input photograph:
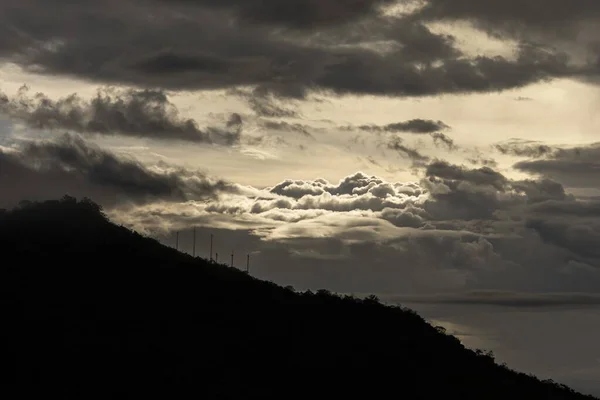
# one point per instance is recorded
(188, 45)
(551, 15)
(458, 228)
(69, 165)
(570, 27)
(143, 113)
(300, 14)
(574, 167)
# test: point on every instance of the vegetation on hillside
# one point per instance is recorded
(94, 310)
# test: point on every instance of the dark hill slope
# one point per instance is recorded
(93, 310)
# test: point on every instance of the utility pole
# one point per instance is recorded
(177, 241)
(194, 246)
(231, 258)
(217, 258)
(248, 264)
(211, 242)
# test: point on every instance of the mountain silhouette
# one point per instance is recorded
(94, 310)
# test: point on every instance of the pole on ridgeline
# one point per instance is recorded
(194, 246)
(217, 258)
(231, 258)
(248, 264)
(211, 242)
(177, 241)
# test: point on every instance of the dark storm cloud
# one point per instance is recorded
(569, 25)
(579, 236)
(568, 209)
(137, 113)
(560, 220)
(299, 14)
(191, 45)
(40, 170)
(363, 72)
(479, 176)
(468, 194)
(516, 14)
(569, 224)
(419, 126)
(576, 167)
(541, 190)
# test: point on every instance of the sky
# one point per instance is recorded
(439, 153)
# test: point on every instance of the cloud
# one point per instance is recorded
(450, 197)
(412, 126)
(355, 192)
(69, 165)
(287, 127)
(137, 113)
(575, 167)
(200, 45)
(442, 139)
(266, 104)
(458, 228)
(525, 149)
(555, 27)
(569, 209)
(571, 225)
(542, 190)
(486, 162)
(332, 251)
(578, 236)
(298, 14)
(397, 144)
(515, 14)
(468, 194)
(479, 176)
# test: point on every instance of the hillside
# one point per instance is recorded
(93, 310)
